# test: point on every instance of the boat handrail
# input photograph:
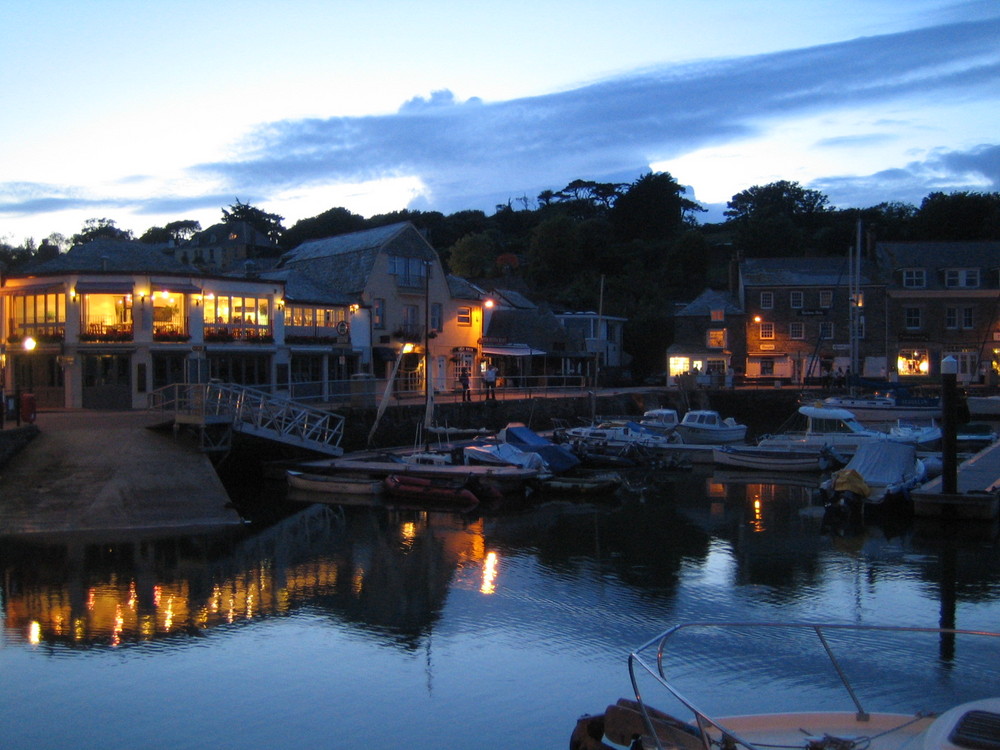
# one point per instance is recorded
(704, 721)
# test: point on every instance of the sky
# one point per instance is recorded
(151, 112)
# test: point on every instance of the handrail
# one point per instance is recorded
(704, 721)
(254, 412)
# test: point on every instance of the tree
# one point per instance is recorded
(175, 231)
(330, 223)
(780, 218)
(100, 229)
(653, 207)
(474, 256)
(959, 216)
(267, 224)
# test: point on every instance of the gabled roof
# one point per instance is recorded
(513, 299)
(709, 300)
(112, 256)
(230, 233)
(830, 271)
(462, 289)
(346, 260)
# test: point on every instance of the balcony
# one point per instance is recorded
(48, 333)
(238, 332)
(105, 332)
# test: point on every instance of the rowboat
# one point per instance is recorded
(822, 687)
(604, 483)
(776, 458)
(337, 484)
(433, 492)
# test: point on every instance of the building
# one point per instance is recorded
(807, 318)
(402, 300)
(107, 322)
(942, 301)
(709, 338)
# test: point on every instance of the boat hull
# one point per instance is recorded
(771, 459)
(334, 484)
(711, 435)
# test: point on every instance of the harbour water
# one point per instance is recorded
(356, 627)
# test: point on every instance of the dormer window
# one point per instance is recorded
(961, 278)
(914, 278)
(718, 315)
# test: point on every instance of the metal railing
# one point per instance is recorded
(252, 412)
(637, 665)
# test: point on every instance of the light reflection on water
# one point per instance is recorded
(356, 626)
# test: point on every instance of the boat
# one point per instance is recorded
(983, 406)
(661, 420)
(887, 407)
(617, 435)
(558, 458)
(823, 688)
(819, 426)
(877, 474)
(434, 492)
(777, 458)
(337, 484)
(603, 483)
(503, 454)
(974, 436)
(706, 427)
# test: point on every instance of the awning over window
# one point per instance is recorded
(511, 350)
(37, 288)
(104, 287)
(174, 285)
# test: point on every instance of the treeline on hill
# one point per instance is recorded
(641, 239)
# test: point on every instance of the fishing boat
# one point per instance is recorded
(837, 700)
(661, 420)
(434, 492)
(777, 458)
(337, 484)
(706, 427)
(983, 406)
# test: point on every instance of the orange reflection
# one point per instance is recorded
(489, 574)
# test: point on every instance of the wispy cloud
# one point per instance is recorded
(466, 151)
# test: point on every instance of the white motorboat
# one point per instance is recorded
(624, 434)
(798, 704)
(881, 407)
(777, 458)
(705, 427)
(818, 426)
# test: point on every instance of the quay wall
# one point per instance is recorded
(762, 410)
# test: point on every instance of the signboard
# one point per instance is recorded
(463, 350)
(767, 347)
(812, 311)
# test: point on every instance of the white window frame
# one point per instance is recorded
(767, 300)
(826, 298)
(914, 278)
(767, 331)
(913, 318)
(961, 278)
(826, 330)
(796, 300)
(796, 330)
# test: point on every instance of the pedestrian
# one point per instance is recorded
(490, 381)
(464, 380)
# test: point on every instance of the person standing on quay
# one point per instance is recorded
(464, 380)
(490, 381)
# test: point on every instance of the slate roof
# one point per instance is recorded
(112, 256)
(831, 271)
(462, 289)
(303, 288)
(538, 328)
(709, 300)
(937, 255)
(347, 260)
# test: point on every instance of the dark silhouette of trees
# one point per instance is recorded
(266, 223)
(175, 231)
(777, 219)
(100, 229)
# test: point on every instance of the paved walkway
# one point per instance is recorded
(91, 470)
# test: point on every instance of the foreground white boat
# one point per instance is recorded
(777, 458)
(854, 654)
(881, 408)
(819, 426)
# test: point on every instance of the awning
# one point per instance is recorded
(36, 288)
(104, 287)
(512, 350)
(175, 286)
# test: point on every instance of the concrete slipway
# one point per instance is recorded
(89, 471)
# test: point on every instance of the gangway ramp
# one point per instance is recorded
(250, 411)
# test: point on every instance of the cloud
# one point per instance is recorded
(474, 154)
(458, 148)
(974, 170)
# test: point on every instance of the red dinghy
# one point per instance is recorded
(431, 492)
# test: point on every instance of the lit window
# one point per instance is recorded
(465, 316)
(717, 339)
(378, 313)
(718, 315)
(766, 331)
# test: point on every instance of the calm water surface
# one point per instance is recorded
(357, 627)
